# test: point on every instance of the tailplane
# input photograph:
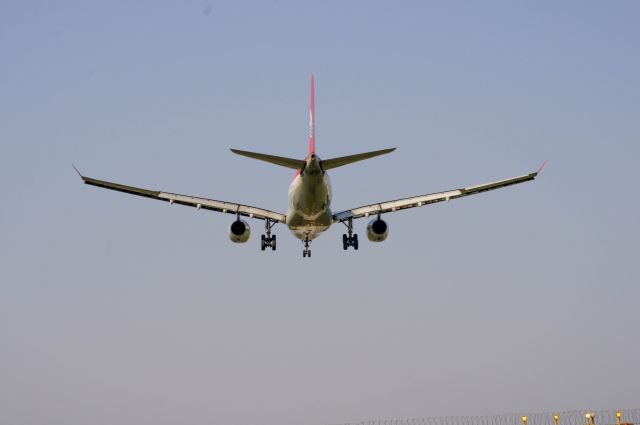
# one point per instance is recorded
(299, 164)
(296, 164)
(328, 164)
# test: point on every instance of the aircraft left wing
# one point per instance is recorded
(191, 201)
(431, 198)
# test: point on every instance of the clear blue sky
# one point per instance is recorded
(115, 309)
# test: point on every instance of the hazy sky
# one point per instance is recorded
(121, 310)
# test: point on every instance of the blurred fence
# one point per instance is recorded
(578, 417)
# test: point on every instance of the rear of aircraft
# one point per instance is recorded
(300, 164)
(309, 212)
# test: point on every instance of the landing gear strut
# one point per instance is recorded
(268, 240)
(350, 238)
(306, 252)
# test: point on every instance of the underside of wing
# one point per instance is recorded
(191, 201)
(421, 200)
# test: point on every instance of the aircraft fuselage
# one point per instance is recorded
(309, 212)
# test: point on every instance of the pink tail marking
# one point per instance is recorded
(312, 124)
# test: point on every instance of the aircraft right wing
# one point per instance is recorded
(432, 198)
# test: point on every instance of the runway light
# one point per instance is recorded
(590, 418)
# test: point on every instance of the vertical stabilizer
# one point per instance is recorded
(312, 123)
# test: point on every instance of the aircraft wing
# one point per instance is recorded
(191, 201)
(431, 198)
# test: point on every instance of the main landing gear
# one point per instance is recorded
(306, 252)
(268, 240)
(350, 238)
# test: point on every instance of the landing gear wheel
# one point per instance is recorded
(306, 252)
(349, 238)
(268, 240)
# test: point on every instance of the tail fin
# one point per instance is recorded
(312, 123)
(299, 164)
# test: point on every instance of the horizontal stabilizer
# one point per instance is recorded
(296, 164)
(328, 164)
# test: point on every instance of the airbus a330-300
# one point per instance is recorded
(309, 213)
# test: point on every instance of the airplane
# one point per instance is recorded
(309, 213)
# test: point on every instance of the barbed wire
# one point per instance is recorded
(576, 417)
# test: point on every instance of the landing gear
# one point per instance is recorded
(348, 241)
(268, 240)
(350, 238)
(306, 252)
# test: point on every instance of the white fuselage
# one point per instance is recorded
(309, 212)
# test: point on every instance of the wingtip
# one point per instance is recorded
(542, 166)
(79, 173)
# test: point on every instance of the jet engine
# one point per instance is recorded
(239, 231)
(377, 230)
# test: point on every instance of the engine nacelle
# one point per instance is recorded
(239, 231)
(377, 230)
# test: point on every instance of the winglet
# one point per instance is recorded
(542, 166)
(80, 174)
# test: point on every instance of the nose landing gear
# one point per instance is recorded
(306, 252)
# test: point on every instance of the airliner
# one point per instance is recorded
(309, 213)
